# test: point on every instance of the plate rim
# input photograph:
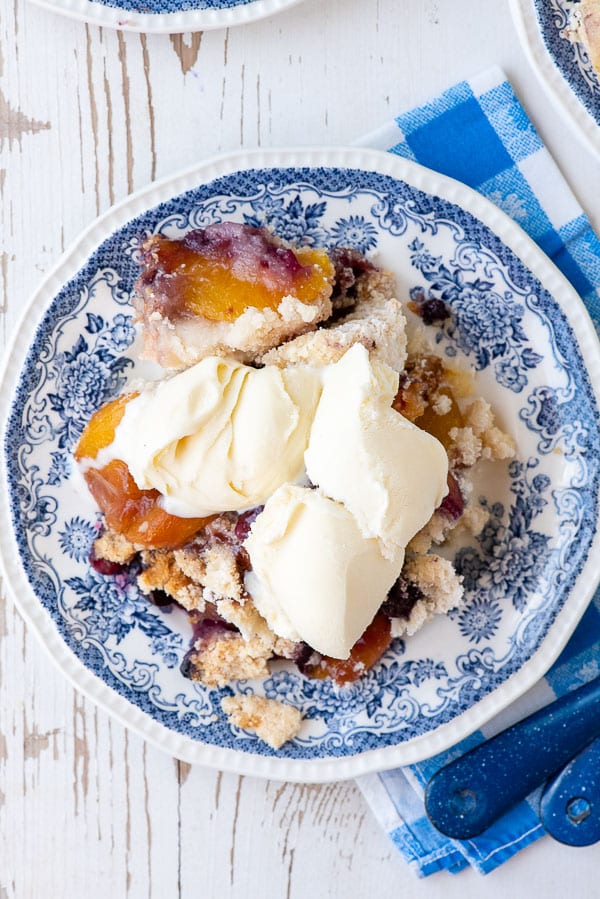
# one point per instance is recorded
(555, 86)
(241, 761)
(165, 23)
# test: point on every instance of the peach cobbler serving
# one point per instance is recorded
(290, 479)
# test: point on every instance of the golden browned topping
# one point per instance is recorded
(228, 657)
(440, 586)
(272, 721)
(215, 567)
(114, 547)
(248, 621)
(161, 572)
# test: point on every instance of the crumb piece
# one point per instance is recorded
(479, 416)
(378, 324)
(479, 438)
(375, 285)
(421, 542)
(498, 445)
(161, 572)
(228, 658)
(285, 649)
(463, 478)
(214, 567)
(441, 404)
(465, 448)
(191, 563)
(271, 720)
(440, 585)
(495, 444)
(248, 621)
(588, 29)
(435, 531)
(114, 547)
(475, 518)
(179, 344)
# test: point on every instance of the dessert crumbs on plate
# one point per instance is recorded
(114, 547)
(272, 721)
(376, 321)
(480, 438)
(229, 657)
(163, 571)
(206, 576)
(440, 585)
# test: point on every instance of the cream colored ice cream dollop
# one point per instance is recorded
(389, 474)
(323, 560)
(220, 436)
(315, 577)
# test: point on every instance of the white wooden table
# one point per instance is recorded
(87, 116)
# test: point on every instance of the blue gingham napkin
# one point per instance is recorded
(479, 133)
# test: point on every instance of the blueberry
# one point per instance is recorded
(434, 311)
(401, 599)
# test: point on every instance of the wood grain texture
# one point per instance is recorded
(86, 117)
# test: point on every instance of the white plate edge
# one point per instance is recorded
(164, 23)
(555, 86)
(238, 761)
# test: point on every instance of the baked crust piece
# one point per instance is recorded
(480, 438)
(178, 345)
(440, 586)
(215, 567)
(377, 322)
(271, 720)
(176, 332)
(249, 622)
(114, 547)
(228, 657)
(162, 572)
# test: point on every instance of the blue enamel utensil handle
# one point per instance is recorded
(570, 804)
(467, 795)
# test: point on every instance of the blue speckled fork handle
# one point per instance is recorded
(570, 804)
(469, 794)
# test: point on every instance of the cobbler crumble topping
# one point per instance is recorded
(203, 570)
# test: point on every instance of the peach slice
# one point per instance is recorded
(220, 271)
(100, 430)
(367, 650)
(135, 513)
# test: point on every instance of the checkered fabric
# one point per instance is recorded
(478, 133)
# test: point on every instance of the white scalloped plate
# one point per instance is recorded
(561, 67)
(529, 576)
(167, 16)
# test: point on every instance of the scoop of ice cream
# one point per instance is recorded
(220, 435)
(315, 577)
(387, 472)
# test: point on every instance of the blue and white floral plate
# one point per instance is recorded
(166, 16)
(561, 64)
(528, 576)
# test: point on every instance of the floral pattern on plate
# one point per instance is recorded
(519, 572)
(569, 54)
(561, 63)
